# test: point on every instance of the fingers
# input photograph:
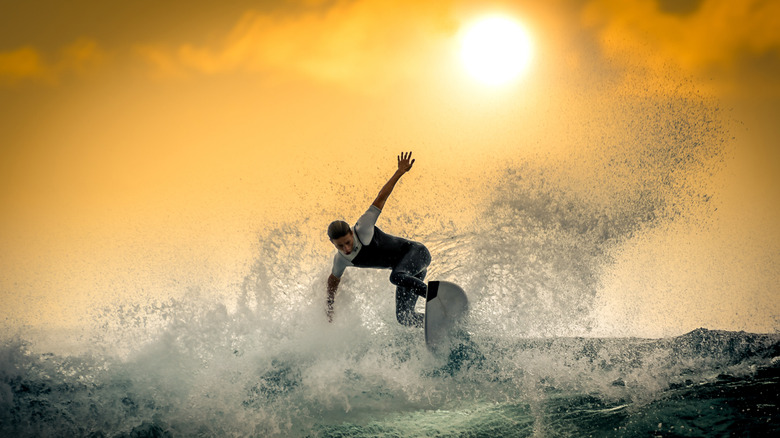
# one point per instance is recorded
(404, 162)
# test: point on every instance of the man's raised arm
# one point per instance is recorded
(405, 163)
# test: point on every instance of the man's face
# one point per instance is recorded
(344, 243)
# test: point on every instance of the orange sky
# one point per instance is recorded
(144, 144)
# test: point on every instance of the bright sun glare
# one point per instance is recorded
(495, 50)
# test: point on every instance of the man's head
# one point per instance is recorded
(341, 236)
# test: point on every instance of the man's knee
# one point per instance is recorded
(422, 256)
(398, 277)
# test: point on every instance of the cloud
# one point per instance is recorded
(28, 63)
(22, 63)
(356, 43)
(727, 38)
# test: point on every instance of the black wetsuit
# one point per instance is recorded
(408, 260)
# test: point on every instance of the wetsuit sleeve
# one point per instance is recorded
(339, 265)
(365, 225)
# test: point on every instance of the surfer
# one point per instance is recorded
(366, 246)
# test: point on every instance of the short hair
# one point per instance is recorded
(338, 229)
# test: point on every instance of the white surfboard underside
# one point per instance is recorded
(445, 305)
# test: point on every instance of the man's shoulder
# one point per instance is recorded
(368, 219)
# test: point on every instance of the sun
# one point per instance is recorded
(495, 50)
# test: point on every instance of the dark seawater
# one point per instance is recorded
(704, 383)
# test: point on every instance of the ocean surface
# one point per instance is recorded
(211, 372)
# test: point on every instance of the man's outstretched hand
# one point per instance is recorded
(405, 161)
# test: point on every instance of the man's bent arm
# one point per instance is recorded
(333, 285)
(404, 165)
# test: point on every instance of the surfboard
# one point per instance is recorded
(445, 305)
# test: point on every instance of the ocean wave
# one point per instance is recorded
(390, 385)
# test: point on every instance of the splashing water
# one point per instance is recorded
(264, 361)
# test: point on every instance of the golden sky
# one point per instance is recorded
(146, 143)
